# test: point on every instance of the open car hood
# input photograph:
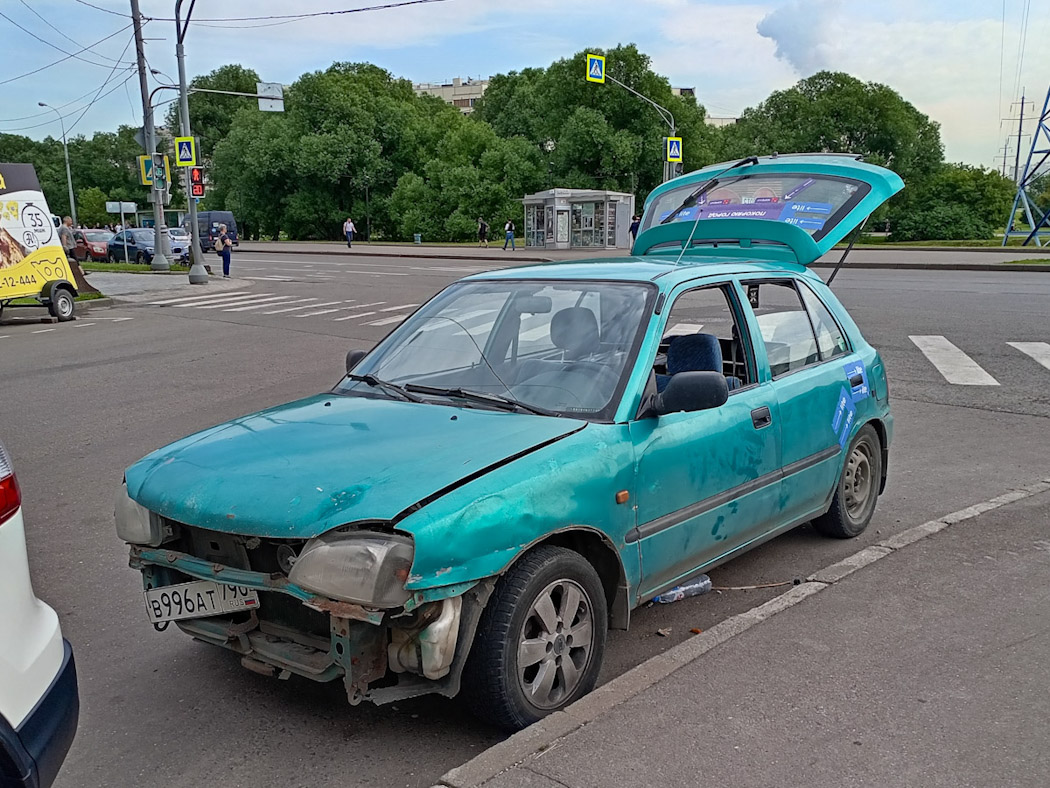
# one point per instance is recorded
(783, 209)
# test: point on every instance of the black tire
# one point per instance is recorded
(495, 684)
(858, 488)
(140, 258)
(111, 257)
(62, 305)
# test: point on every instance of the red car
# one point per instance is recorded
(93, 244)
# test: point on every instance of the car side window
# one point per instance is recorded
(702, 335)
(830, 339)
(784, 325)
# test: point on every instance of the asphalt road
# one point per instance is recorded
(82, 401)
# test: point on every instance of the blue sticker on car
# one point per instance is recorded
(840, 410)
(847, 424)
(857, 376)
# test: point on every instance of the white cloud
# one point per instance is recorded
(808, 34)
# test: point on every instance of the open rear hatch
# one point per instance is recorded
(790, 209)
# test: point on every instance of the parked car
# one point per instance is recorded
(208, 227)
(92, 244)
(134, 245)
(180, 244)
(534, 453)
(39, 701)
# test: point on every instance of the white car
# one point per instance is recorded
(39, 703)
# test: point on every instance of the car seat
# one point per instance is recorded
(575, 331)
(694, 353)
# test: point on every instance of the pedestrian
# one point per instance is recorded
(118, 227)
(348, 231)
(65, 236)
(224, 246)
(634, 227)
(508, 238)
(483, 232)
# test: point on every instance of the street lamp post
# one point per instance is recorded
(548, 148)
(198, 273)
(69, 176)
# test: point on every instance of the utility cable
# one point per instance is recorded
(57, 48)
(97, 95)
(64, 35)
(63, 59)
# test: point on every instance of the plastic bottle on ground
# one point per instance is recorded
(698, 585)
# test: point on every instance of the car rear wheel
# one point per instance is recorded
(858, 489)
(140, 258)
(540, 641)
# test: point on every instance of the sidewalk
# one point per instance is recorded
(139, 287)
(913, 258)
(927, 668)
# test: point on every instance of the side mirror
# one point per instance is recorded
(353, 358)
(692, 391)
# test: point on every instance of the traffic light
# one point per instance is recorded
(159, 172)
(196, 182)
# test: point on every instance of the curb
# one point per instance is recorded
(1038, 250)
(415, 255)
(542, 735)
(94, 303)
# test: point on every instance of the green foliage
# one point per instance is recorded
(91, 207)
(957, 202)
(211, 114)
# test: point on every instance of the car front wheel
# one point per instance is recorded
(540, 641)
(858, 489)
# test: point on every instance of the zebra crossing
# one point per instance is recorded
(370, 313)
(959, 369)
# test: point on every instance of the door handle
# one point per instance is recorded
(856, 380)
(761, 417)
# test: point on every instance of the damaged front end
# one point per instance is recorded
(330, 607)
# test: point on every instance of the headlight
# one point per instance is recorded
(135, 523)
(365, 567)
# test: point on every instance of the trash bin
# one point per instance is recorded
(417, 238)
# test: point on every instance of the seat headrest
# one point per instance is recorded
(694, 353)
(575, 330)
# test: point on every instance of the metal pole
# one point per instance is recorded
(198, 273)
(664, 113)
(65, 150)
(1017, 154)
(161, 251)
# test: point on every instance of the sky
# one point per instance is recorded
(962, 62)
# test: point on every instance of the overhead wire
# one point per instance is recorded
(66, 36)
(62, 59)
(73, 112)
(57, 48)
(275, 19)
(97, 95)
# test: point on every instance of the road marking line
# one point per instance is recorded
(387, 320)
(84, 325)
(952, 363)
(329, 311)
(196, 297)
(351, 317)
(303, 306)
(265, 303)
(6, 336)
(225, 300)
(42, 331)
(1040, 351)
(273, 278)
(395, 308)
(253, 300)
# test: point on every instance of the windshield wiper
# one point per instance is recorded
(386, 385)
(705, 187)
(499, 400)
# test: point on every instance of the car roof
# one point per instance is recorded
(659, 270)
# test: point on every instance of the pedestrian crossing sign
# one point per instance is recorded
(185, 152)
(146, 170)
(596, 68)
(674, 148)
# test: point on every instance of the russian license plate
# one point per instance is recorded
(197, 599)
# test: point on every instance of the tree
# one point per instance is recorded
(91, 207)
(958, 202)
(211, 114)
(836, 113)
(605, 136)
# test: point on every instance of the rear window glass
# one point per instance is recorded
(815, 203)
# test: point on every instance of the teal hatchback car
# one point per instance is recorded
(534, 453)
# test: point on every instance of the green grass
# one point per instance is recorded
(1034, 261)
(877, 242)
(129, 268)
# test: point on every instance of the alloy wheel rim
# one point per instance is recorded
(857, 481)
(65, 307)
(555, 644)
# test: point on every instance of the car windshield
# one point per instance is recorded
(559, 346)
(815, 203)
(178, 232)
(143, 236)
(97, 236)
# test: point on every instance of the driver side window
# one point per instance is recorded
(702, 334)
